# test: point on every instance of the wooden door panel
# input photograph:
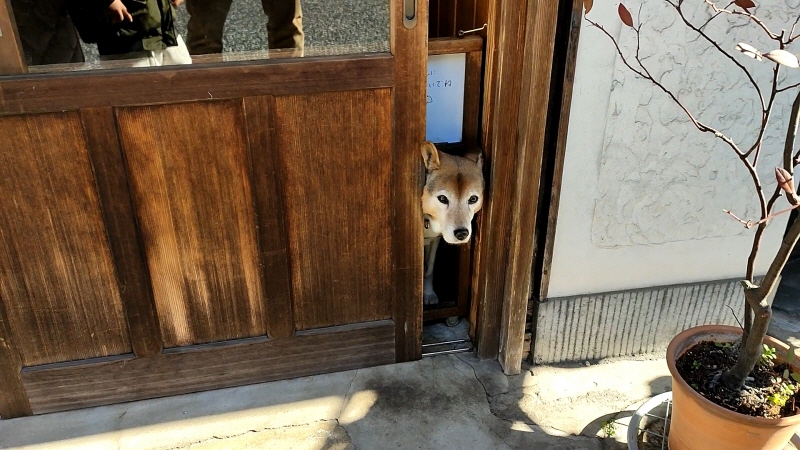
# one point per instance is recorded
(189, 172)
(335, 158)
(260, 112)
(57, 278)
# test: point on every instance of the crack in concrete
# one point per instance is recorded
(344, 405)
(346, 433)
(259, 430)
(346, 395)
(509, 421)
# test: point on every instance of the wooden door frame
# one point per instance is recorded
(519, 61)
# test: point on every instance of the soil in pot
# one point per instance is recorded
(764, 390)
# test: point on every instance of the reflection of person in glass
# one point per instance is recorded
(207, 19)
(46, 32)
(140, 30)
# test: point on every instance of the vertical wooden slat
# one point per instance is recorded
(190, 182)
(273, 247)
(553, 187)
(433, 22)
(447, 18)
(505, 52)
(12, 60)
(465, 15)
(540, 36)
(336, 177)
(13, 399)
(472, 98)
(410, 48)
(57, 275)
(112, 187)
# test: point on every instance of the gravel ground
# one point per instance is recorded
(327, 23)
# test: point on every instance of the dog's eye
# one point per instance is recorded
(472, 200)
(443, 199)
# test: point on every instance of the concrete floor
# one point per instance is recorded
(443, 402)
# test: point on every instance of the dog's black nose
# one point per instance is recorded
(461, 233)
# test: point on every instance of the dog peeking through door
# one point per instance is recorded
(452, 195)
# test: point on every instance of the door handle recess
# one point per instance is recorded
(409, 13)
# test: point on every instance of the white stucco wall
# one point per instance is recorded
(643, 191)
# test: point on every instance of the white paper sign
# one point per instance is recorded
(445, 97)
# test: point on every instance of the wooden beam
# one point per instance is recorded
(532, 120)
(503, 82)
(70, 90)
(566, 83)
(447, 46)
(82, 384)
(565, 61)
(12, 60)
(408, 177)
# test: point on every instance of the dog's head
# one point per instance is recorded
(453, 193)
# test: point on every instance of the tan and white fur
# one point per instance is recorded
(452, 195)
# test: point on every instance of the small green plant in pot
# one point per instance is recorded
(730, 367)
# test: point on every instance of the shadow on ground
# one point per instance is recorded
(443, 402)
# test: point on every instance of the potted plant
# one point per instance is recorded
(736, 388)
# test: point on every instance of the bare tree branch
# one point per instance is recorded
(714, 17)
(750, 223)
(766, 115)
(786, 88)
(747, 14)
(699, 31)
(644, 73)
(792, 38)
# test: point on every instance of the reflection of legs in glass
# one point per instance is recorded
(285, 25)
(206, 22)
(46, 31)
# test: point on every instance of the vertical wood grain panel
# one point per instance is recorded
(433, 23)
(191, 187)
(269, 210)
(112, 185)
(465, 15)
(504, 62)
(57, 279)
(567, 62)
(472, 99)
(540, 30)
(447, 18)
(335, 158)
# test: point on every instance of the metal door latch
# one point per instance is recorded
(463, 32)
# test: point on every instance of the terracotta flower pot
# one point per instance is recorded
(699, 424)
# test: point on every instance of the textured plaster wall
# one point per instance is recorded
(643, 190)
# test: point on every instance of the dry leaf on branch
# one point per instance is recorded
(783, 57)
(625, 15)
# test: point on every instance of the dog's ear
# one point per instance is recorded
(477, 156)
(431, 156)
